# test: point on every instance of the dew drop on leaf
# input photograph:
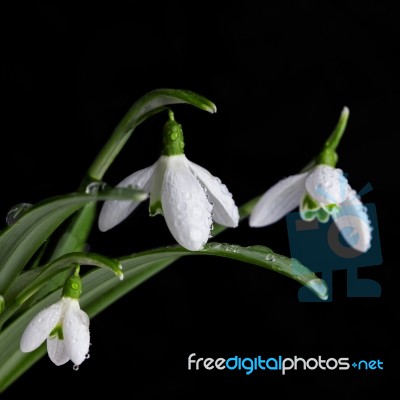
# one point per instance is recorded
(94, 187)
(16, 212)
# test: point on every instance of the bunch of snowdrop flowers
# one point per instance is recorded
(192, 201)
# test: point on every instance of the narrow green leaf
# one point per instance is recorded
(35, 279)
(75, 236)
(257, 255)
(19, 242)
(100, 290)
(98, 293)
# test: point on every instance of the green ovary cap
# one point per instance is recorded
(328, 157)
(73, 286)
(173, 143)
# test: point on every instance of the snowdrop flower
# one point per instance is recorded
(320, 193)
(186, 194)
(64, 325)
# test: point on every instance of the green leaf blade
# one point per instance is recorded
(20, 241)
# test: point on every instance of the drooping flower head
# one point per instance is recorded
(320, 193)
(64, 325)
(186, 194)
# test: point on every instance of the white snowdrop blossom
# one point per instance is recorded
(319, 193)
(66, 328)
(188, 196)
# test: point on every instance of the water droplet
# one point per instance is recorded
(319, 287)
(75, 286)
(16, 212)
(214, 246)
(234, 248)
(224, 189)
(328, 184)
(270, 257)
(87, 356)
(75, 367)
(181, 144)
(217, 179)
(174, 135)
(94, 187)
(180, 206)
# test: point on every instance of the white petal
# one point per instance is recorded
(115, 211)
(225, 211)
(40, 327)
(156, 186)
(353, 223)
(76, 333)
(185, 205)
(327, 185)
(277, 201)
(56, 351)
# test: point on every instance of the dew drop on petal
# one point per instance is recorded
(87, 356)
(181, 206)
(75, 367)
(16, 212)
(197, 212)
(224, 189)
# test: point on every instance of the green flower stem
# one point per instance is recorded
(148, 105)
(20, 241)
(335, 137)
(101, 291)
(76, 234)
(75, 237)
(328, 154)
(43, 276)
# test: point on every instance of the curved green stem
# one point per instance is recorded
(148, 105)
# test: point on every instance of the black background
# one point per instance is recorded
(280, 76)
